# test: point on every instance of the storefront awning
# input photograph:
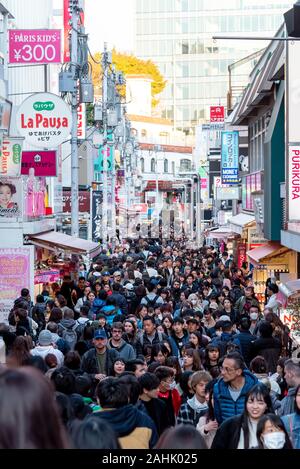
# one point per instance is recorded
(239, 222)
(220, 233)
(54, 240)
(290, 288)
(263, 254)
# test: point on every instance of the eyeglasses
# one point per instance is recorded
(117, 332)
(227, 369)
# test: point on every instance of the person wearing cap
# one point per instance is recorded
(117, 275)
(131, 297)
(45, 347)
(99, 360)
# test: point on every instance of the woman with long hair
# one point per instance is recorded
(159, 353)
(239, 432)
(20, 353)
(198, 341)
(168, 322)
(27, 402)
(130, 333)
(191, 360)
(212, 356)
(271, 433)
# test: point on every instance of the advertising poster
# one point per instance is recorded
(11, 197)
(242, 256)
(14, 275)
(35, 193)
(230, 157)
(43, 162)
(10, 156)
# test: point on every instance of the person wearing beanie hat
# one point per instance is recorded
(45, 347)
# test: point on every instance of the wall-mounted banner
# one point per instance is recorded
(34, 46)
(10, 156)
(43, 162)
(294, 183)
(11, 198)
(44, 119)
(230, 157)
(97, 200)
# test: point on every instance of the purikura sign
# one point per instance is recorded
(34, 46)
(294, 182)
(44, 120)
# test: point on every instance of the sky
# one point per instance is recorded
(110, 21)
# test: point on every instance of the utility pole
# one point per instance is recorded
(105, 146)
(74, 104)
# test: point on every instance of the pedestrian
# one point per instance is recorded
(292, 421)
(271, 433)
(168, 392)
(98, 361)
(94, 433)
(292, 378)
(191, 411)
(240, 432)
(116, 342)
(181, 437)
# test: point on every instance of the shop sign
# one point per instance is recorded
(217, 113)
(10, 156)
(294, 183)
(242, 256)
(230, 157)
(289, 318)
(97, 200)
(227, 193)
(14, 275)
(83, 198)
(11, 197)
(46, 277)
(34, 46)
(81, 123)
(5, 114)
(67, 17)
(43, 162)
(44, 119)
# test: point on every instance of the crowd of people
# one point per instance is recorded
(154, 346)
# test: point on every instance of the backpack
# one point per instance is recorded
(69, 335)
(80, 328)
(151, 303)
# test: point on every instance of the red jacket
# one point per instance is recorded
(176, 399)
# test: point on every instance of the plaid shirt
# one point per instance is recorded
(188, 415)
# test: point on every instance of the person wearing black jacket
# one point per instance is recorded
(120, 299)
(245, 339)
(38, 313)
(99, 360)
(149, 402)
(267, 346)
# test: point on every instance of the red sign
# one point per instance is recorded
(43, 162)
(217, 114)
(142, 208)
(34, 46)
(162, 185)
(84, 201)
(67, 29)
(241, 250)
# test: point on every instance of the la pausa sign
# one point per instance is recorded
(44, 120)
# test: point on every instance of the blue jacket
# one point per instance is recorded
(110, 312)
(224, 406)
(173, 343)
(292, 426)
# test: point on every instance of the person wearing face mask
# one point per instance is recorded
(254, 318)
(271, 433)
(239, 432)
(168, 392)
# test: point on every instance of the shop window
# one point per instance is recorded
(166, 166)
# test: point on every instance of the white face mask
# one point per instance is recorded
(253, 316)
(218, 333)
(274, 440)
(172, 385)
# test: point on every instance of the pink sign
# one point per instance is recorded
(203, 183)
(46, 277)
(34, 46)
(43, 162)
(14, 272)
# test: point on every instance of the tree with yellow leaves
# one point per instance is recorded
(129, 65)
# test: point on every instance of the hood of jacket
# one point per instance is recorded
(68, 323)
(123, 420)
(122, 345)
(109, 309)
(196, 405)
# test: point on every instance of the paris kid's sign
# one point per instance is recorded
(44, 120)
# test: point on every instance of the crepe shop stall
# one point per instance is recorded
(58, 254)
(289, 296)
(223, 233)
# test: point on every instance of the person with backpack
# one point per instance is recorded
(67, 328)
(150, 337)
(152, 298)
(110, 310)
(82, 321)
(39, 312)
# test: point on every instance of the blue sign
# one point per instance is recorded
(109, 155)
(230, 157)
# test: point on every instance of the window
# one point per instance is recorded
(142, 165)
(166, 166)
(173, 168)
(185, 165)
(152, 168)
(144, 133)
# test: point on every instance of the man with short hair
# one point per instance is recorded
(168, 392)
(292, 377)
(149, 402)
(194, 408)
(126, 351)
(136, 366)
(244, 339)
(231, 389)
(149, 337)
(99, 360)
(179, 337)
(152, 298)
(267, 346)
(133, 428)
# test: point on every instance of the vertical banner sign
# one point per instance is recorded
(14, 275)
(33, 46)
(10, 155)
(67, 16)
(293, 136)
(81, 121)
(97, 200)
(242, 257)
(230, 157)
(217, 114)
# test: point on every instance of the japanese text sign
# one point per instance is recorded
(217, 113)
(44, 119)
(43, 162)
(230, 157)
(34, 46)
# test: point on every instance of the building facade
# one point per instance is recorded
(177, 36)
